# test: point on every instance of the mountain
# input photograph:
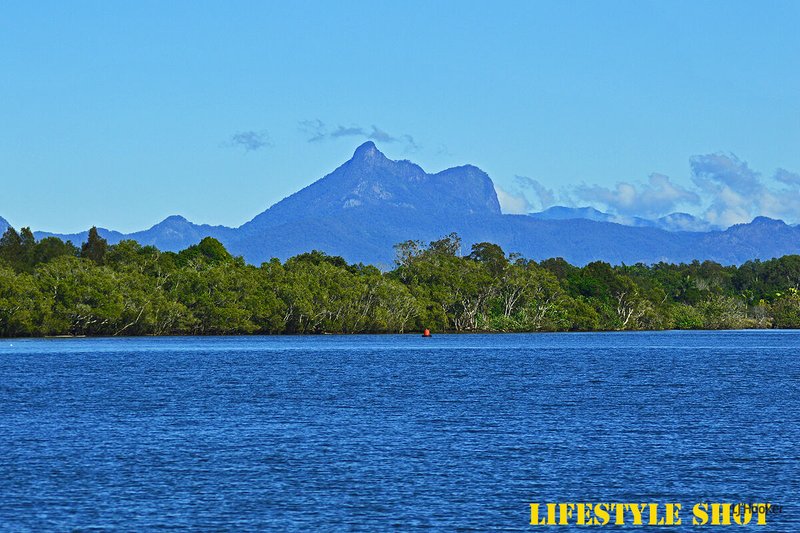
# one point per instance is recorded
(173, 233)
(177, 233)
(368, 204)
(3, 224)
(113, 237)
(371, 181)
(364, 207)
(671, 222)
(560, 212)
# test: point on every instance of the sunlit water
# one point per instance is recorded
(457, 432)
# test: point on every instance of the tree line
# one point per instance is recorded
(51, 287)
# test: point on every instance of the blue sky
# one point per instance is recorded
(120, 114)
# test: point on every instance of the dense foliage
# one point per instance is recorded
(54, 288)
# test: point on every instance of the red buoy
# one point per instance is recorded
(426, 333)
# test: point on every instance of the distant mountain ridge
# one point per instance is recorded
(671, 222)
(173, 233)
(368, 204)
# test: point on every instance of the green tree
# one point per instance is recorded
(215, 297)
(785, 309)
(51, 287)
(491, 256)
(21, 302)
(49, 248)
(95, 247)
(27, 244)
(723, 312)
(207, 251)
(86, 298)
(11, 247)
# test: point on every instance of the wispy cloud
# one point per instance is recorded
(657, 197)
(381, 136)
(317, 131)
(526, 195)
(410, 143)
(443, 150)
(731, 185)
(352, 131)
(250, 140)
(789, 178)
(724, 190)
(738, 193)
(545, 197)
(314, 129)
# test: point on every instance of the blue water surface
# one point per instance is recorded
(370, 433)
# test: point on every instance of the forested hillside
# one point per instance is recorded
(50, 287)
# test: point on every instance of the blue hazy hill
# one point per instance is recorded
(368, 204)
(670, 222)
(173, 233)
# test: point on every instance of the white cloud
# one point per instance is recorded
(512, 203)
(737, 194)
(657, 197)
(546, 197)
(724, 191)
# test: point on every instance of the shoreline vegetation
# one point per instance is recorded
(53, 288)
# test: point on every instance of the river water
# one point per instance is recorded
(368, 433)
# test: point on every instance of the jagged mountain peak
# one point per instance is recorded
(366, 152)
(370, 180)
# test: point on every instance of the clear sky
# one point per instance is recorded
(118, 114)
